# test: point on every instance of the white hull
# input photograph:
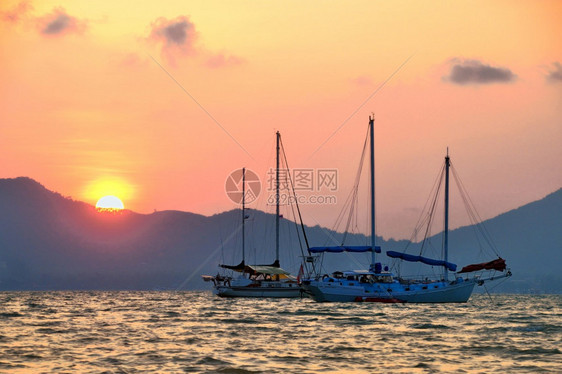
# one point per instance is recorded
(263, 291)
(436, 292)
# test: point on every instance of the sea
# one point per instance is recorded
(197, 332)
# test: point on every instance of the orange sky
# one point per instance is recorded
(87, 110)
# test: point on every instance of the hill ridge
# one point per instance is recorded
(49, 241)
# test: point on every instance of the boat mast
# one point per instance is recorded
(446, 229)
(278, 137)
(243, 214)
(373, 238)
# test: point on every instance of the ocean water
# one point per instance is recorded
(138, 332)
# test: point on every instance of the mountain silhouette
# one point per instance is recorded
(51, 242)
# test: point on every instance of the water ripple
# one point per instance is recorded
(125, 332)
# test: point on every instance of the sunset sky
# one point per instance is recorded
(157, 102)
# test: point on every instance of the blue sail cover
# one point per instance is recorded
(345, 248)
(425, 260)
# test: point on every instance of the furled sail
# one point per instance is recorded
(425, 260)
(270, 270)
(274, 265)
(240, 267)
(497, 264)
(345, 248)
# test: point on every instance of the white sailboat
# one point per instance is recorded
(262, 281)
(376, 285)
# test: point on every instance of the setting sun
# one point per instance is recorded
(109, 203)
(109, 188)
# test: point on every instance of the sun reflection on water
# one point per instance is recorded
(198, 332)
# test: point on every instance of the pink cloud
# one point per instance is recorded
(464, 72)
(60, 23)
(16, 13)
(176, 36)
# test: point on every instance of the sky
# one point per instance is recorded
(158, 102)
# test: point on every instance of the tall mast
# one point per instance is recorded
(243, 214)
(278, 137)
(373, 238)
(446, 230)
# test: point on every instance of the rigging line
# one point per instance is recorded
(424, 215)
(488, 293)
(479, 222)
(351, 197)
(470, 210)
(352, 258)
(373, 187)
(325, 231)
(299, 237)
(447, 218)
(211, 255)
(222, 243)
(351, 215)
(293, 213)
(362, 104)
(470, 213)
(432, 209)
(333, 239)
(294, 193)
(199, 105)
(485, 233)
(297, 228)
(355, 189)
(348, 204)
(433, 217)
(341, 215)
(222, 249)
(499, 283)
(262, 200)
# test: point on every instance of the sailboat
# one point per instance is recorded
(261, 281)
(380, 285)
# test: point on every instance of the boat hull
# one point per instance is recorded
(259, 292)
(438, 292)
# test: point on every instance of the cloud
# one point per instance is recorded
(221, 60)
(475, 72)
(60, 23)
(177, 36)
(15, 14)
(555, 75)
